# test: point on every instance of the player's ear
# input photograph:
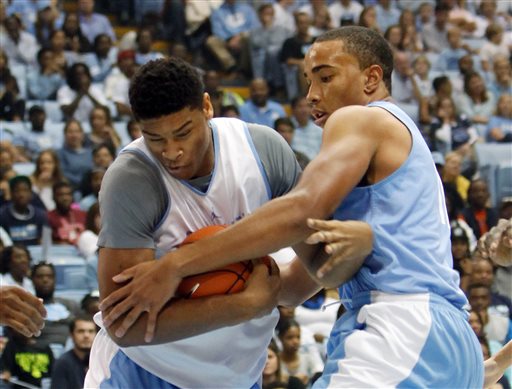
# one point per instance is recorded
(373, 77)
(207, 106)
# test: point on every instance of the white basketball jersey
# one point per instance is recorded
(233, 356)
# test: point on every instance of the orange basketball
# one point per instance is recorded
(226, 280)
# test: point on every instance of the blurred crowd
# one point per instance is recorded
(65, 70)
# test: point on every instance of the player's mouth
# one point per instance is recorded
(319, 117)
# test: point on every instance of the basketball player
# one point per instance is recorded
(188, 171)
(21, 310)
(405, 316)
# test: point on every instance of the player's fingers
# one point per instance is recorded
(334, 249)
(324, 269)
(113, 298)
(22, 322)
(116, 312)
(319, 224)
(124, 276)
(128, 321)
(151, 326)
(34, 319)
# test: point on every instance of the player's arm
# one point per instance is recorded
(349, 145)
(182, 318)
(496, 365)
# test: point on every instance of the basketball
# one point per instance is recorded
(226, 280)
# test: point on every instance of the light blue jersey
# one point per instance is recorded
(412, 249)
(404, 326)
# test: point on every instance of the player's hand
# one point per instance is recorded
(344, 241)
(262, 287)
(150, 286)
(497, 243)
(21, 311)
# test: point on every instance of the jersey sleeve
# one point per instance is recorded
(277, 157)
(132, 200)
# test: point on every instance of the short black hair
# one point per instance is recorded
(367, 45)
(165, 86)
(41, 264)
(16, 180)
(79, 317)
(285, 121)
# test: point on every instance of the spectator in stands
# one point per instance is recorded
(495, 45)
(90, 304)
(5, 72)
(451, 174)
(144, 52)
(265, 46)
(405, 91)
(295, 362)
(292, 55)
(454, 207)
(231, 23)
(118, 82)
(102, 156)
(496, 327)
(79, 96)
(23, 222)
(70, 369)
(61, 56)
(411, 38)
(283, 14)
(67, 222)
(461, 255)
(6, 171)
(36, 137)
(26, 360)
(421, 67)
(452, 132)
(75, 40)
(102, 129)
(346, 10)
(285, 127)
(424, 16)
(387, 14)
(476, 102)
(133, 129)
(487, 15)
(102, 59)
(449, 57)
(483, 273)
(12, 105)
(273, 375)
(320, 21)
(229, 111)
(502, 77)
(307, 136)
(96, 178)
(480, 217)
(393, 35)
(60, 311)
(435, 35)
(368, 18)
(15, 267)
(46, 174)
(75, 158)
(46, 22)
(20, 46)
(442, 88)
(88, 241)
(259, 109)
(91, 23)
(211, 80)
(44, 81)
(499, 127)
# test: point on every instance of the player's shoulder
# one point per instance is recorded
(131, 166)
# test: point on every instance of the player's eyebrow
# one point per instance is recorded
(173, 131)
(316, 69)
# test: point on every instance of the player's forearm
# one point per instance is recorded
(296, 284)
(185, 318)
(280, 223)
